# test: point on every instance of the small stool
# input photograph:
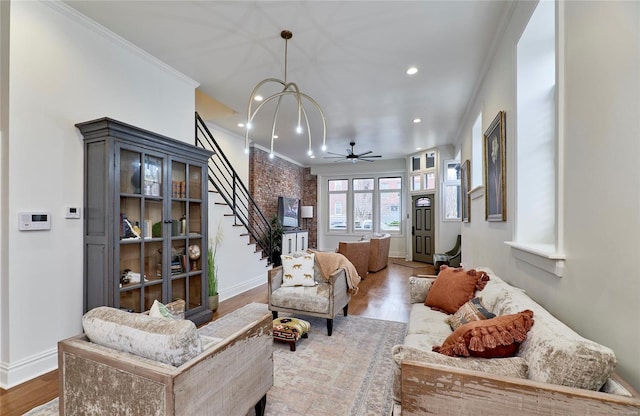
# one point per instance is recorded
(290, 330)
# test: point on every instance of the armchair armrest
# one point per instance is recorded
(275, 277)
(443, 390)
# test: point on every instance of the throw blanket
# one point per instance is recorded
(329, 262)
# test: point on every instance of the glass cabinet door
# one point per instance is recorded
(187, 250)
(140, 231)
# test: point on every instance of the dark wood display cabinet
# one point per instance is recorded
(145, 219)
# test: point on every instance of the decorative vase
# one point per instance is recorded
(213, 302)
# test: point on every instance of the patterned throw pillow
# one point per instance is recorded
(298, 271)
(497, 337)
(158, 310)
(470, 311)
(453, 288)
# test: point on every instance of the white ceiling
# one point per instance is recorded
(350, 56)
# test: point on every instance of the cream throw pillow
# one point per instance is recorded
(298, 271)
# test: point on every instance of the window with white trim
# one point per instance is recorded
(338, 191)
(373, 204)
(451, 190)
(476, 153)
(536, 133)
(390, 204)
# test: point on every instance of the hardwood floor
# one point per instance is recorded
(382, 295)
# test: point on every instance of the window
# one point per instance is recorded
(338, 190)
(430, 181)
(430, 160)
(390, 204)
(476, 152)
(537, 239)
(536, 79)
(362, 205)
(423, 176)
(451, 190)
(415, 183)
(415, 163)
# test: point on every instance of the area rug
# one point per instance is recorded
(348, 373)
(412, 264)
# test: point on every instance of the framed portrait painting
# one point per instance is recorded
(465, 169)
(494, 170)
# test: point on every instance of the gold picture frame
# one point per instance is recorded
(495, 169)
(465, 169)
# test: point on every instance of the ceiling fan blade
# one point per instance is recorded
(365, 153)
(337, 154)
(365, 160)
(371, 156)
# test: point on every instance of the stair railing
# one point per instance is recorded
(233, 191)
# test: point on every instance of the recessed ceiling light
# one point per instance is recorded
(275, 136)
(258, 98)
(418, 148)
(240, 124)
(412, 70)
(417, 120)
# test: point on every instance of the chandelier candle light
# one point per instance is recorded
(288, 88)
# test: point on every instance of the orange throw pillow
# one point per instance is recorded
(497, 337)
(453, 288)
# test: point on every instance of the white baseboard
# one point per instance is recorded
(12, 374)
(243, 287)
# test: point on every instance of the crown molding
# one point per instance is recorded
(97, 28)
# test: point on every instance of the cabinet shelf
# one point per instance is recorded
(136, 178)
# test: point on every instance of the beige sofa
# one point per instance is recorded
(555, 371)
(156, 366)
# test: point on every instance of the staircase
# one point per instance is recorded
(246, 245)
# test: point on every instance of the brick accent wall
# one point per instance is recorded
(310, 197)
(271, 178)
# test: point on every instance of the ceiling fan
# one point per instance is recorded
(352, 156)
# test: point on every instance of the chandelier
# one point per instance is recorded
(288, 88)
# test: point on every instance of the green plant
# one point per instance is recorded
(211, 262)
(276, 238)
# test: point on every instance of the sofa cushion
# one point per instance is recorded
(473, 310)
(453, 288)
(425, 321)
(298, 270)
(413, 349)
(303, 298)
(496, 337)
(170, 341)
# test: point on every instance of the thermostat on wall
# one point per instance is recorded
(29, 221)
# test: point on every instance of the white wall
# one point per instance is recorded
(239, 267)
(65, 70)
(599, 293)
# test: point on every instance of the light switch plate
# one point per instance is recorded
(73, 212)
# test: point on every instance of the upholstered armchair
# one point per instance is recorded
(138, 365)
(324, 299)
(358, 253)
(450, 258)
(379, 252)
